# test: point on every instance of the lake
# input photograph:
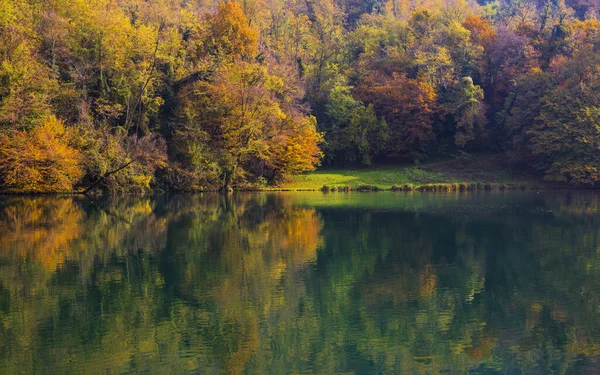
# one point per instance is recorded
(301, 283)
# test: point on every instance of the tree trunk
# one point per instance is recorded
(226, 188)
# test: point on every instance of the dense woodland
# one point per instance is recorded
(129, 95)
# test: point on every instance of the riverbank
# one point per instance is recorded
(466, 174)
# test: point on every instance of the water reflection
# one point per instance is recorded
(301, 283)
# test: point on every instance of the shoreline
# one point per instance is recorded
(473, 174)
(407, 188)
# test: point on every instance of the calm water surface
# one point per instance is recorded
(301, 283)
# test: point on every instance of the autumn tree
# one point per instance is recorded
(230, 33)
(249, 120)
(118, 163)
(483, 35)
(27, 86)
(41, 160)
(565, 137)
(407, 105)
(326, 49)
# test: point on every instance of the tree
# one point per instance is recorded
(326, 49)
(250, 113)
(296, 149)
(118, 163)
(340, 108)
(510, 56)
(464, 53)
(26, 85)
(251, 122)
(230, 33)
(368, 135)
(483, 35)
(522, 107)
(469, 112)
(565, 137)
(407, 105)
(40, 160)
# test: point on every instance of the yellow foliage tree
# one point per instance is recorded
(41, 160)
(231, 34)
(296, 150)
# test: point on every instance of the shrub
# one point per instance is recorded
(175, 178)
(367, 188)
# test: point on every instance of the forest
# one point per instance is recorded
(125, 96)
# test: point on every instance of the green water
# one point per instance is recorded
(301, 283)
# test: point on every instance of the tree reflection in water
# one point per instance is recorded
(298, 283)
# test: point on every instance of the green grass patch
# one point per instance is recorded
(382, 178)
(475, 173)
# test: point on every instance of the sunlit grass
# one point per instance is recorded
(381, 178)
(483, 170)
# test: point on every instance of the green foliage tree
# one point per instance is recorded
(523, 106)
(469, 112)
(339, 110)
(369, 135)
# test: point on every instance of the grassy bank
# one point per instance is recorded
(465, 174)
(476, 173)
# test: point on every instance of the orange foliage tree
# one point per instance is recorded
(297, 149)
(482, 33)
(407, 105)
(41, 160)
(248, 122)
